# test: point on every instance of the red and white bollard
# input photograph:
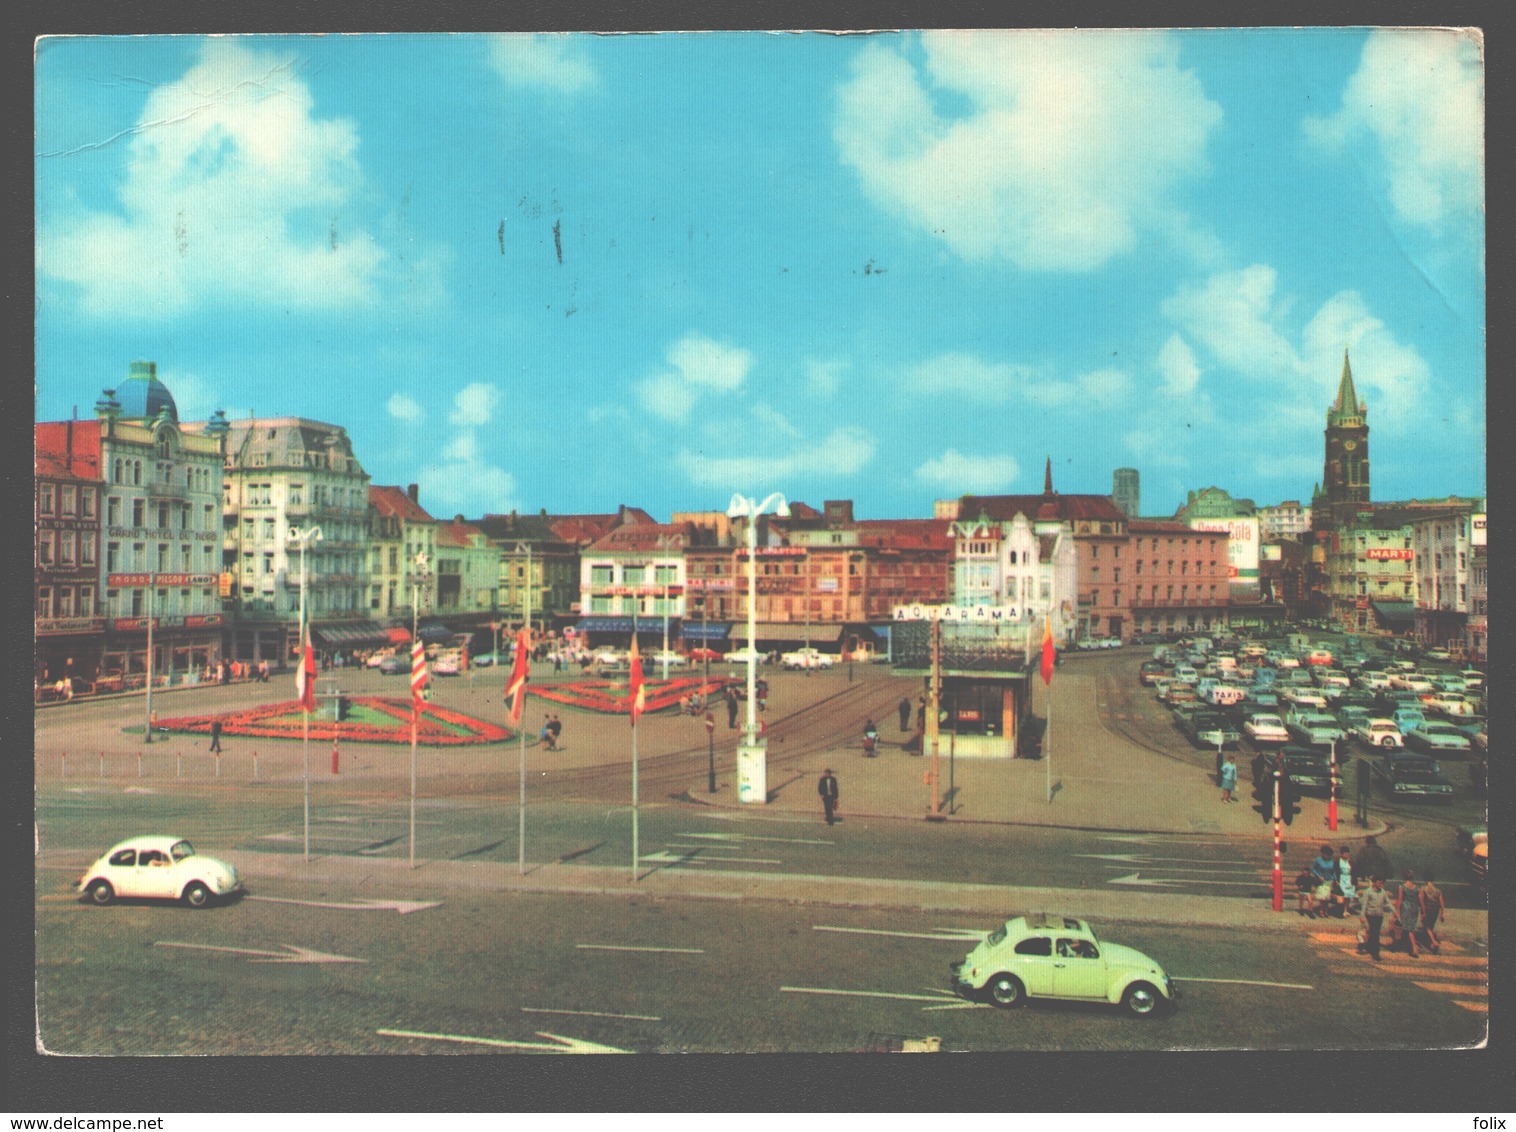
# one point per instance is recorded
(1278, 864)
(1332, 804)
(334, 754)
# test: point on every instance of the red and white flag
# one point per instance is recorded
(515, 687)
(305, 675)
(1048, 653)
(634, 682)
(418, 673)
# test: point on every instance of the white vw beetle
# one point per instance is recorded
(166, 868)
(1052, 956)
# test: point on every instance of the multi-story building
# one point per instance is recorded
(1287, 520)
(632, 579)
(162, 529)
(1126, 491)
(1214, 503)
(1476, 648)
(539, 561)
(1180, 577)
(1370, 571)
(1100, 538)
(399, 529)
(1030, 571)
(70, 631)
(468, 572)
(285, 474)
(1343, 491)
(1443, 544)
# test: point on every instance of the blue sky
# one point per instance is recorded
(576, 271)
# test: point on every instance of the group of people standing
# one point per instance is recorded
(1335, 885)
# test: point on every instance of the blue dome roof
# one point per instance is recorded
(143, 396)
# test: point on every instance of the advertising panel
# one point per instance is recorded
(1242, 546)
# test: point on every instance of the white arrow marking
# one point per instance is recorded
(591, 1014)
(663, 856)
(957, 934)
(558, 1044)
(941, 999)
(751, 837)
(1149, 838)
(290, 954)
(1135, 878)
(1144, 859)
(404, 907)
(620, 947)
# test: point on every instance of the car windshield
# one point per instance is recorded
(997, 935)
(181, 850)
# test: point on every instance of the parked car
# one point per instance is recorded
(701, 654)
(1450, 704)
(1054, 956)
(656, 658)
(392, 665)
(1313, 729)
(1473, 679)
(1151, 672)
(1437, 654)
(1308, 770)
(158, 868)
(1407, 718)
(807, 658)
(379, 658)
(1474, 845)
(1383, 733)
(1266, 728)
(446, 666)
(744, 654)
(1351, 716)
(1208, 729)
(1413, 776)
(1436, 737)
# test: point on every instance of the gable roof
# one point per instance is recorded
(642, 538)
(395, 502)
(1044, 506)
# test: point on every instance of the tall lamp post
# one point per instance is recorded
(419, 574)
(524, 642)
(304, 536)
(752, 754)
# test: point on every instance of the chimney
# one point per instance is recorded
(414, 490)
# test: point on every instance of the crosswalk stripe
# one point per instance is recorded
(1455, 988)
(1427, 960)
(1460, 976)
(1476, 1007)
(1343, 937)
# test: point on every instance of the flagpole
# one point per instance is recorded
(1047, 739)
(307, 687)
(418, 662)
(634, 679)
(523, 650)
(635, 857)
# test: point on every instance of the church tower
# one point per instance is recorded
(1345, 473)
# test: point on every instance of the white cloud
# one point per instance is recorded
(1235, 316)
(474, 404)
(700, 365)
(823, 377)
(404, 408)
(1102, 388)
(234, 192)
(842, 453)
(966, 376)
(959, 474)
(1176, 364)
(195, 399)
(1419, 95)
(551, 62)
(773, 422)
(1387, 374)
(463, 487)
(1071, 145)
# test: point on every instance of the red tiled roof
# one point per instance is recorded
(453, 533)
(582, 530)
(395, 502)
(643, 538)
(905, 534)
(1004, 507)
(53, 446)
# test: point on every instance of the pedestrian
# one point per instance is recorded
(921, 714)
(1228, 778)
(1373, 860)
(731, 710)
(1287, 796)
(1305, 888)
(557, 663)
(1407, 915)
(545, 734)
(1345, 881)
(905, 714)
(827, 788)
(1376, 902)
(554, 730)
(1432, 909)
(216, 735)
(1365, 788)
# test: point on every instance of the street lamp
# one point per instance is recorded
(752, 768)
(304, 536)
(664, 542)
(418, 575)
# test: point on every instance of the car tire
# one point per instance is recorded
(1141, 999)
(101, 893)
(196, 895)
(1005, 991)
(1387, 743)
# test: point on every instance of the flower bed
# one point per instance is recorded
(437, 727)
(611, 697)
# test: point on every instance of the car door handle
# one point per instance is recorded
(1060, 964)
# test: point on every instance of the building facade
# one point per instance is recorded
(69, 627)
(1029, 571)
(467, 569)
(1126, 491)
(400, 529)
(632, 580)
(1443, 546)
(1180, 578)
(1287, 520)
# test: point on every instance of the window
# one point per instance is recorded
(87, 548)
(113, 511)
(45, 547)
(1036, 945)
(139, 512)
(45, 499)
(163, 557)
(112, 557)
(65, 601)
(86, 601)
(44, 601)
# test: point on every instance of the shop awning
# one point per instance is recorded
(707, 631)
(606, 624)
(787, 631)
(398, 636)
(1395, 613)
(350, 635)
(436, 634)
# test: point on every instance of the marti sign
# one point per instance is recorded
(978, 614)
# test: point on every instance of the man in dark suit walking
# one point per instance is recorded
(827, 788)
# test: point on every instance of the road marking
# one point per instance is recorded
(753, 837)
(556, 1045)
(1143, 859)
(1476, 1007)
(1244, 982)
(290, 954)
(664, 857)
(1475, 977)
(957, 934)
(1454, 988)
(1434, 960)
(1150, 838)
(404, 907)
(623, 947)
(937, 998)
(591, 1014)
(315, 837)
(1136, 879)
